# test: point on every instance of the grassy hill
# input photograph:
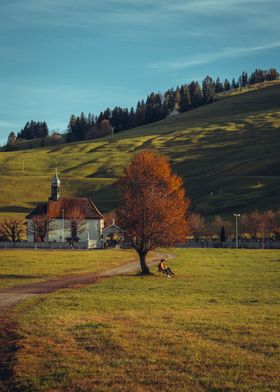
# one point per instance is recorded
(227, 152)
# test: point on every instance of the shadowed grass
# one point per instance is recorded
(213, 327)
(226, 148)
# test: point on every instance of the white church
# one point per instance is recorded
(65, 214)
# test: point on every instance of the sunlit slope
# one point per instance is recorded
(228, 153)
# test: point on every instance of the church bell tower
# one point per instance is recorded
(55, 187)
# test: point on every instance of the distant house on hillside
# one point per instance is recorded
(64, 219)
(174, 113)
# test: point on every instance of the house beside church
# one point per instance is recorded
(65, 219)
(113, 235)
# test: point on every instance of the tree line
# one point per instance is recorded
(157, 106)
(253, 226)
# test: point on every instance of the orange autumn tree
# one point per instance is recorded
(153, 205)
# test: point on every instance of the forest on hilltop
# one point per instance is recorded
(157, 107)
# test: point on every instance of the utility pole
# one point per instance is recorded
(63, 225)
(236, 229)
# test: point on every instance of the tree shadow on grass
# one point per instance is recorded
(14, 209)
(8, 349)
(14, 276)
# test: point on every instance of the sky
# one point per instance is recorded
(59, 57)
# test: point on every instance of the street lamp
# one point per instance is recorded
(236, 229)
(63, 225)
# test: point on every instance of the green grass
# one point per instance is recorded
(25, 266)
(213, 327)
(227, 148)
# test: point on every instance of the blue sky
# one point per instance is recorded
(66, 56)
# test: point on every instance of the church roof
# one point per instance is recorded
(80, 207)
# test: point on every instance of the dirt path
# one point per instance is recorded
(11, 296)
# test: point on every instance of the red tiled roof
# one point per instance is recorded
(73, 207)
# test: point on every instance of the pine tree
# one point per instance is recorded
(196, 94)
(11, 141)
(234, 85)
(177, 103)
(185, 98)
(34, 130)
(218, 86)
(208, 89)
(226, 85)
(223, 234)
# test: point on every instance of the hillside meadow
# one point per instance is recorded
(212, 327)
(227, 153)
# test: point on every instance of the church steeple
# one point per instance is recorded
(55, 187)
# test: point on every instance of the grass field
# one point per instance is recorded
(26, 266)
(230, 148)
(213, 327)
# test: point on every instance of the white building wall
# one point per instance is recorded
(30, 235)
(92, 231)
(57, 233)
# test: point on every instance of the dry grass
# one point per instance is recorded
(25, 266)
(214, 327)
(226, 148)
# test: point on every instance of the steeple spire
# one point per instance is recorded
(55, 187)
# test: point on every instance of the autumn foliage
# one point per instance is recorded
(153, 205)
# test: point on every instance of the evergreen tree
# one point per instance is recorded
(208, 89)
(218, 86)
(223, 234)
(234, 85)
(243, 79)
(226, 85)
(169, 100)
(33, 130)
(185, 98)
(11, 141)
(196, 94)
(177, 100)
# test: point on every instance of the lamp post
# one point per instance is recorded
(63, 225)
(236, 229)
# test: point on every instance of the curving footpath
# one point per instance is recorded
(11, 296)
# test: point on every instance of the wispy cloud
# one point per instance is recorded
(212, 57)
(206, 6)
(116, 15)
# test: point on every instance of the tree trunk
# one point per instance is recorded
(144, 266)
